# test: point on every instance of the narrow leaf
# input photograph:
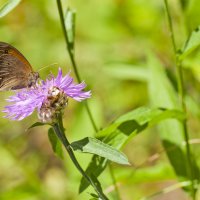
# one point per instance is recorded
(36, 124)
(94, 146)
(191, 44)
(96, 167)
(55, 143)
(131, 123)
(171, 131)
(98, 185)
(70, 27)
(8, 6)
(123, 129)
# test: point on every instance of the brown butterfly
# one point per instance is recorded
(15, 71)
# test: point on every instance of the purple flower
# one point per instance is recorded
(48, 97)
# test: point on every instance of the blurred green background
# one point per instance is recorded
(113, 38)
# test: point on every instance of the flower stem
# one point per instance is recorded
(181, 97)
(71, 55)
(59, 131)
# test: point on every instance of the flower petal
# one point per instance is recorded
(24, 102)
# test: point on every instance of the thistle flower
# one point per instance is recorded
(48, 97)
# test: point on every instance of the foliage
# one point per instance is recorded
(145, 96)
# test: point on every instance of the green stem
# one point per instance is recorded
(71, 55)
(58, 129)
(170, 25)
(181, 97)
(114, 181)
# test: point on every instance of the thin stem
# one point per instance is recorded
(178, 64)
(71, 55)
(60, 134)
(181, 97)
(180, 83)
(170, 26)
(114, 181)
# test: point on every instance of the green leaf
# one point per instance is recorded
(98, 185)
(70, 26)
(171, 131)
(191, 44)
(131, 123)
(123, 129)
(94, 146)
(36, 124)
(8, 6)
(96, 167)
(55, 143)
(94, 196)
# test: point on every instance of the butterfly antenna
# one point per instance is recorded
(51, 65)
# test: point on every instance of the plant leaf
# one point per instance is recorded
(95, 167)
(70, 17)
(55, 143)
(98, 185)
(8, 6)
(171, 131)
(94, 146)
(123, 129)
(36, 124)
(131, 123)
(191, 44)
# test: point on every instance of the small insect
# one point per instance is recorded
(15, 70)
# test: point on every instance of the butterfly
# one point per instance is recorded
(15, 70)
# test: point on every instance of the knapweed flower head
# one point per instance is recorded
(49, 97)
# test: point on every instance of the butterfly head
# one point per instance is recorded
(32, 79)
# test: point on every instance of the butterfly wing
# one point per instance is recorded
(14, 68)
